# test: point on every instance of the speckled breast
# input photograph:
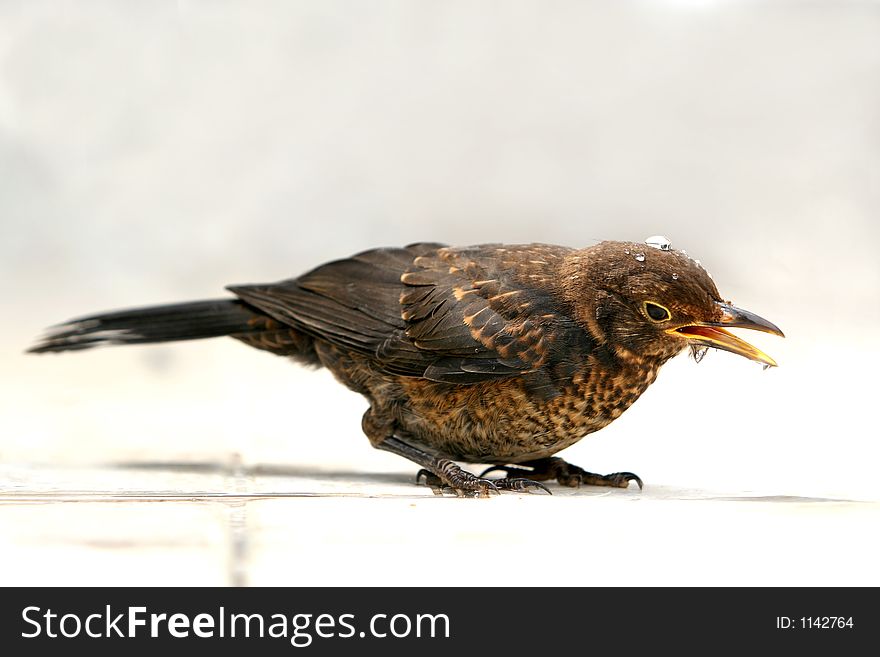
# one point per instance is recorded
(507, 422)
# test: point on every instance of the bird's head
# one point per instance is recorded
(650, 300)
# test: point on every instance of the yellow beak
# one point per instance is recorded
(711, 334)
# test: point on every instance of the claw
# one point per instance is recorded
(460, 483)
(517, 484)
(625, 478)
(564, 473)
(520, 485)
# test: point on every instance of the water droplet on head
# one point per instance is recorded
(626, 251)
(659, 242)
(675, 277)
(640, 257)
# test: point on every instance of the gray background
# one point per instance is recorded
(154, 152)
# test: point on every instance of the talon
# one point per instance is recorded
(625, 478)
(458, 482)
(493, 468)
(569, 475)
(538, 485)
(521, 485)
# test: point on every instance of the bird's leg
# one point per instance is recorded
(565, 473)
(442, 475)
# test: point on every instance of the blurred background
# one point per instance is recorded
(155, 152)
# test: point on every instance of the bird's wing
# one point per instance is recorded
(451, 315)
(353, 303)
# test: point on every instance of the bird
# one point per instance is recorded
(495, 354)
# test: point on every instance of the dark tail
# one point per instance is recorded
(182, 321)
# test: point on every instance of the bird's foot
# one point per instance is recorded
(459, 482)
(520, 485)
(565, 473)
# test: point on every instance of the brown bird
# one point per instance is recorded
(497, 354)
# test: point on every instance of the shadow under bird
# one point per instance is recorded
(495, 354)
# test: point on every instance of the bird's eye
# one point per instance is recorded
(656, 312)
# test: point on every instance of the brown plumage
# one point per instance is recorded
(499, 354)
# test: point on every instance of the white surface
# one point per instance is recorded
(154, 152)
(156, 525)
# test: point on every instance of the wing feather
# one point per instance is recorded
(450, 315)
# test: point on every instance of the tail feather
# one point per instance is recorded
(182, 321)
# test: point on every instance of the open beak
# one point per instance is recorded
(712, 334)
